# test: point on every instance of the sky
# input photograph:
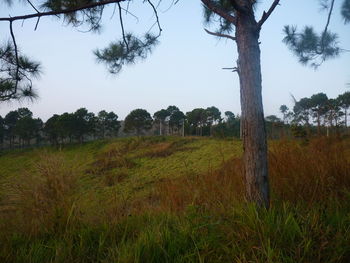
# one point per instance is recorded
(185, 69)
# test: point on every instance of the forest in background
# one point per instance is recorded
(315, 115)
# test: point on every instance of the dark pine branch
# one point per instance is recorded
(267, 14)
(311, 47)
(17, 59)
(329, 17)
(61, 12)
(219, 11)
(220, 34)
(122, 26)
(157, 17)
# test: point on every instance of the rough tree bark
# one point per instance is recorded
(253, 124)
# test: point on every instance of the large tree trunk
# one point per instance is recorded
(252, 119)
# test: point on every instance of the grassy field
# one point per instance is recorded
(159, 199)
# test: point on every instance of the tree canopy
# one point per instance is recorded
(138, 120)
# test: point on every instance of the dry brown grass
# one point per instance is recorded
(311, 173)
(165, 149)
(111, 159)
(39, 201)
(215, 190)
(113, 178)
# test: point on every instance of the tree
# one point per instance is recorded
(10, 122)
(344, 102)
(138, 120)
(112, 124)
(66, 126)
(333, 113)
(272, 122)
(302, 110)
(38, 128)
(229, 115)
(84, 123)
(161, 116)
(177, 120)
(214, 115)
(101, 119)
(284, 110)
(197, 118)
(51, 129)
(108, 124)
(239, 16)
(172, 109)
(28, 128)
(318, 103)
(24, 112)
(230, 126)
(173, 116)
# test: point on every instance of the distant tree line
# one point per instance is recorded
(18, 128)
(317, 115)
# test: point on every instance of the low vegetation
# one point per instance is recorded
(171, 199)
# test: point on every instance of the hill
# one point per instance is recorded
(172, 199)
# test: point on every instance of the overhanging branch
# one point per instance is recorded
(122, 27)
(267, 14)
(329, 16)
(219, 34)
(16, 56)
(221, 12)
(157, 17)
(60, 12)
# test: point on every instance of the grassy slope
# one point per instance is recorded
(139, 162)
(171, 200)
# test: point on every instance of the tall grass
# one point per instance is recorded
(200, 217)
(310, 174)
(40, 200)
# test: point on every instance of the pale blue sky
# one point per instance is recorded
(184, 70)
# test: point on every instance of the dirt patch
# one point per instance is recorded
(165, 149)
(110, 160)
(113, 178)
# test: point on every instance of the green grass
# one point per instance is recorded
(159, 199)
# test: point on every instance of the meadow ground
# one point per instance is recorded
(171, 199)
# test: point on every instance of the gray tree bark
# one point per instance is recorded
(252, 119)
